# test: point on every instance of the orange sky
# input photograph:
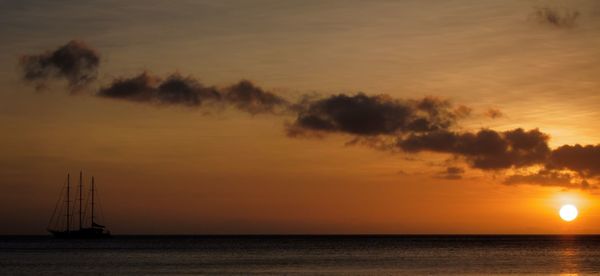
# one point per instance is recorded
(187, 170)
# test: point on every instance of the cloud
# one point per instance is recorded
(380, 142)
(549, 178)
(364, 115)
(187, 91)
(463, 111)
(567, 166)
(75, 62)
(582, 159)
(404, 126)
(485, 149)
(248, 97)
(558, 17)
(493, 113)
(147, 88)
(141, 88)
(451, 173)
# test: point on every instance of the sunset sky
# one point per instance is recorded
(303, 117)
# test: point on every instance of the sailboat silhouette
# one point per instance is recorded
(60, 224)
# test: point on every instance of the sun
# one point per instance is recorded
(568, 212)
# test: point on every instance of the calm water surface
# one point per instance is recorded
(308, 255)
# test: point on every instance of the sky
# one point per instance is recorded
(303, 117)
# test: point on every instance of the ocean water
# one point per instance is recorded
(303, 255)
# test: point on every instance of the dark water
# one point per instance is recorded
(309, 255)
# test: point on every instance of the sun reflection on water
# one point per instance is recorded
(569, 256)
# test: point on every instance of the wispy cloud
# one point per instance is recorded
(451, 173)
(549, 178)
(556, 16)
(493, 113)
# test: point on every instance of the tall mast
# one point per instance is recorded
(68, 192)
(80, 196)
(92, 202)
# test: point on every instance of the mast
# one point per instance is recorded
(68, 192)
(92, 202)
(80, 197)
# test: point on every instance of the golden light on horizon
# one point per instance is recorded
(414, 126)
(568, 212)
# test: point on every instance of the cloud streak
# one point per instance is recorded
(187, 91)
(409, 126)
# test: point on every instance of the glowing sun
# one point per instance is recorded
(568, 212)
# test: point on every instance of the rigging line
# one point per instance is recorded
(72, 215)
(73, 207)
(87, 200)
(60, 197)
(61, 217)
(57, 222)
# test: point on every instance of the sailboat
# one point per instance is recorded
(60, 224)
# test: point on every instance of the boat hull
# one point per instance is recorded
(86, 233)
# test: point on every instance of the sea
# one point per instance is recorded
(303, 255)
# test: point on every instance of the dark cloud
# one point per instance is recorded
(187, 91)
(582, 159)
(558, 17)
(567, 166)
(174, 90)
(485, 149)
(248, 97)
(549, 178)
(141, 88)
(451, 173)
(75, 62)
(361, 114)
